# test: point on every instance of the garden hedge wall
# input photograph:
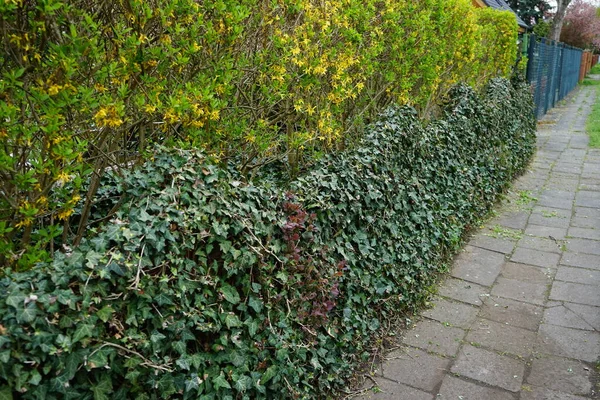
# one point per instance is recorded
(207, 286)
(86, 85)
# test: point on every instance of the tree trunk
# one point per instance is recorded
(559, 17)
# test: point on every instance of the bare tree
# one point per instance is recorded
(557, 22)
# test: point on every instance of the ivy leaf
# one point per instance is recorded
(255, 303)
(98, 359)
(83, 330)
(184, 363)
(268, 374)
(16, 300)
(105, 313)
(28, 313)
(162, 299)
(6, 393)
(230, 294)
(102, 389)
(231, 320)
(221, 382)
(237, 358)
(242, 383)
(252, 326)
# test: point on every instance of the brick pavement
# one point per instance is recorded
(519, 317)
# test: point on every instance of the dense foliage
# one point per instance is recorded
(531, 12)
(87, 86)
(207, 286)
(581, 27)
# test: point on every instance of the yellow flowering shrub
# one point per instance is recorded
(86, 86)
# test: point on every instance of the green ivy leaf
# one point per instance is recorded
(6, 393)
(252, 326)
(221, 382)
(255, 303)
(238, 358)
(82, 331)
(102, 389)
(230, 294)
(242, 383)
(232, 320)
(28, 313)
(162, 299)
(105, 313)
(268, 374)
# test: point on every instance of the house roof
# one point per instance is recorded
(502, 5)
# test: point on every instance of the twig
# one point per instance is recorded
(136, 281)
(146, 363)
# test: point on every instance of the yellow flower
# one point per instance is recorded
(214, 115)
(108, 116)
(64, 214)
(54, 89)
(23, 223)
(63, 178)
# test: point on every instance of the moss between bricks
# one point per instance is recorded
(206, 286)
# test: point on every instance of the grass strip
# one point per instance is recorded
(593, 124)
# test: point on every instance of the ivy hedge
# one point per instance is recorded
(207, 286)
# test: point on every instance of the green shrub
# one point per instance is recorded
(206, 286)
(85, 86)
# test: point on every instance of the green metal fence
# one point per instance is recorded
(552, 69)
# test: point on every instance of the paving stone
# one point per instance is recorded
(590, 182)
(540, 244)
(501, 245)
(586, 202)
(460, 290)
(535, 257)
(585, 233)
(584, 246)
(502, 337)
(511, 312)
(590, 314)
(585, 212)
(478, 265)
(488, 367)
(568, 342)
(559, 194)
(557, 183)
(514, 220)
(537, 393)
(545, 231)
(455, 388)
(588, 223)
(530, 184)
(435, 337)
(572, 169)
(579, 275)
(560, 374)
(563, 316)
(589, 187)
(554, 202)
(390, 390)
(534, 293)
(455, 313)
(416, 368)
(527, 273)
(587, 199)
(575, 293)
(589, 261)
(551, 217)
